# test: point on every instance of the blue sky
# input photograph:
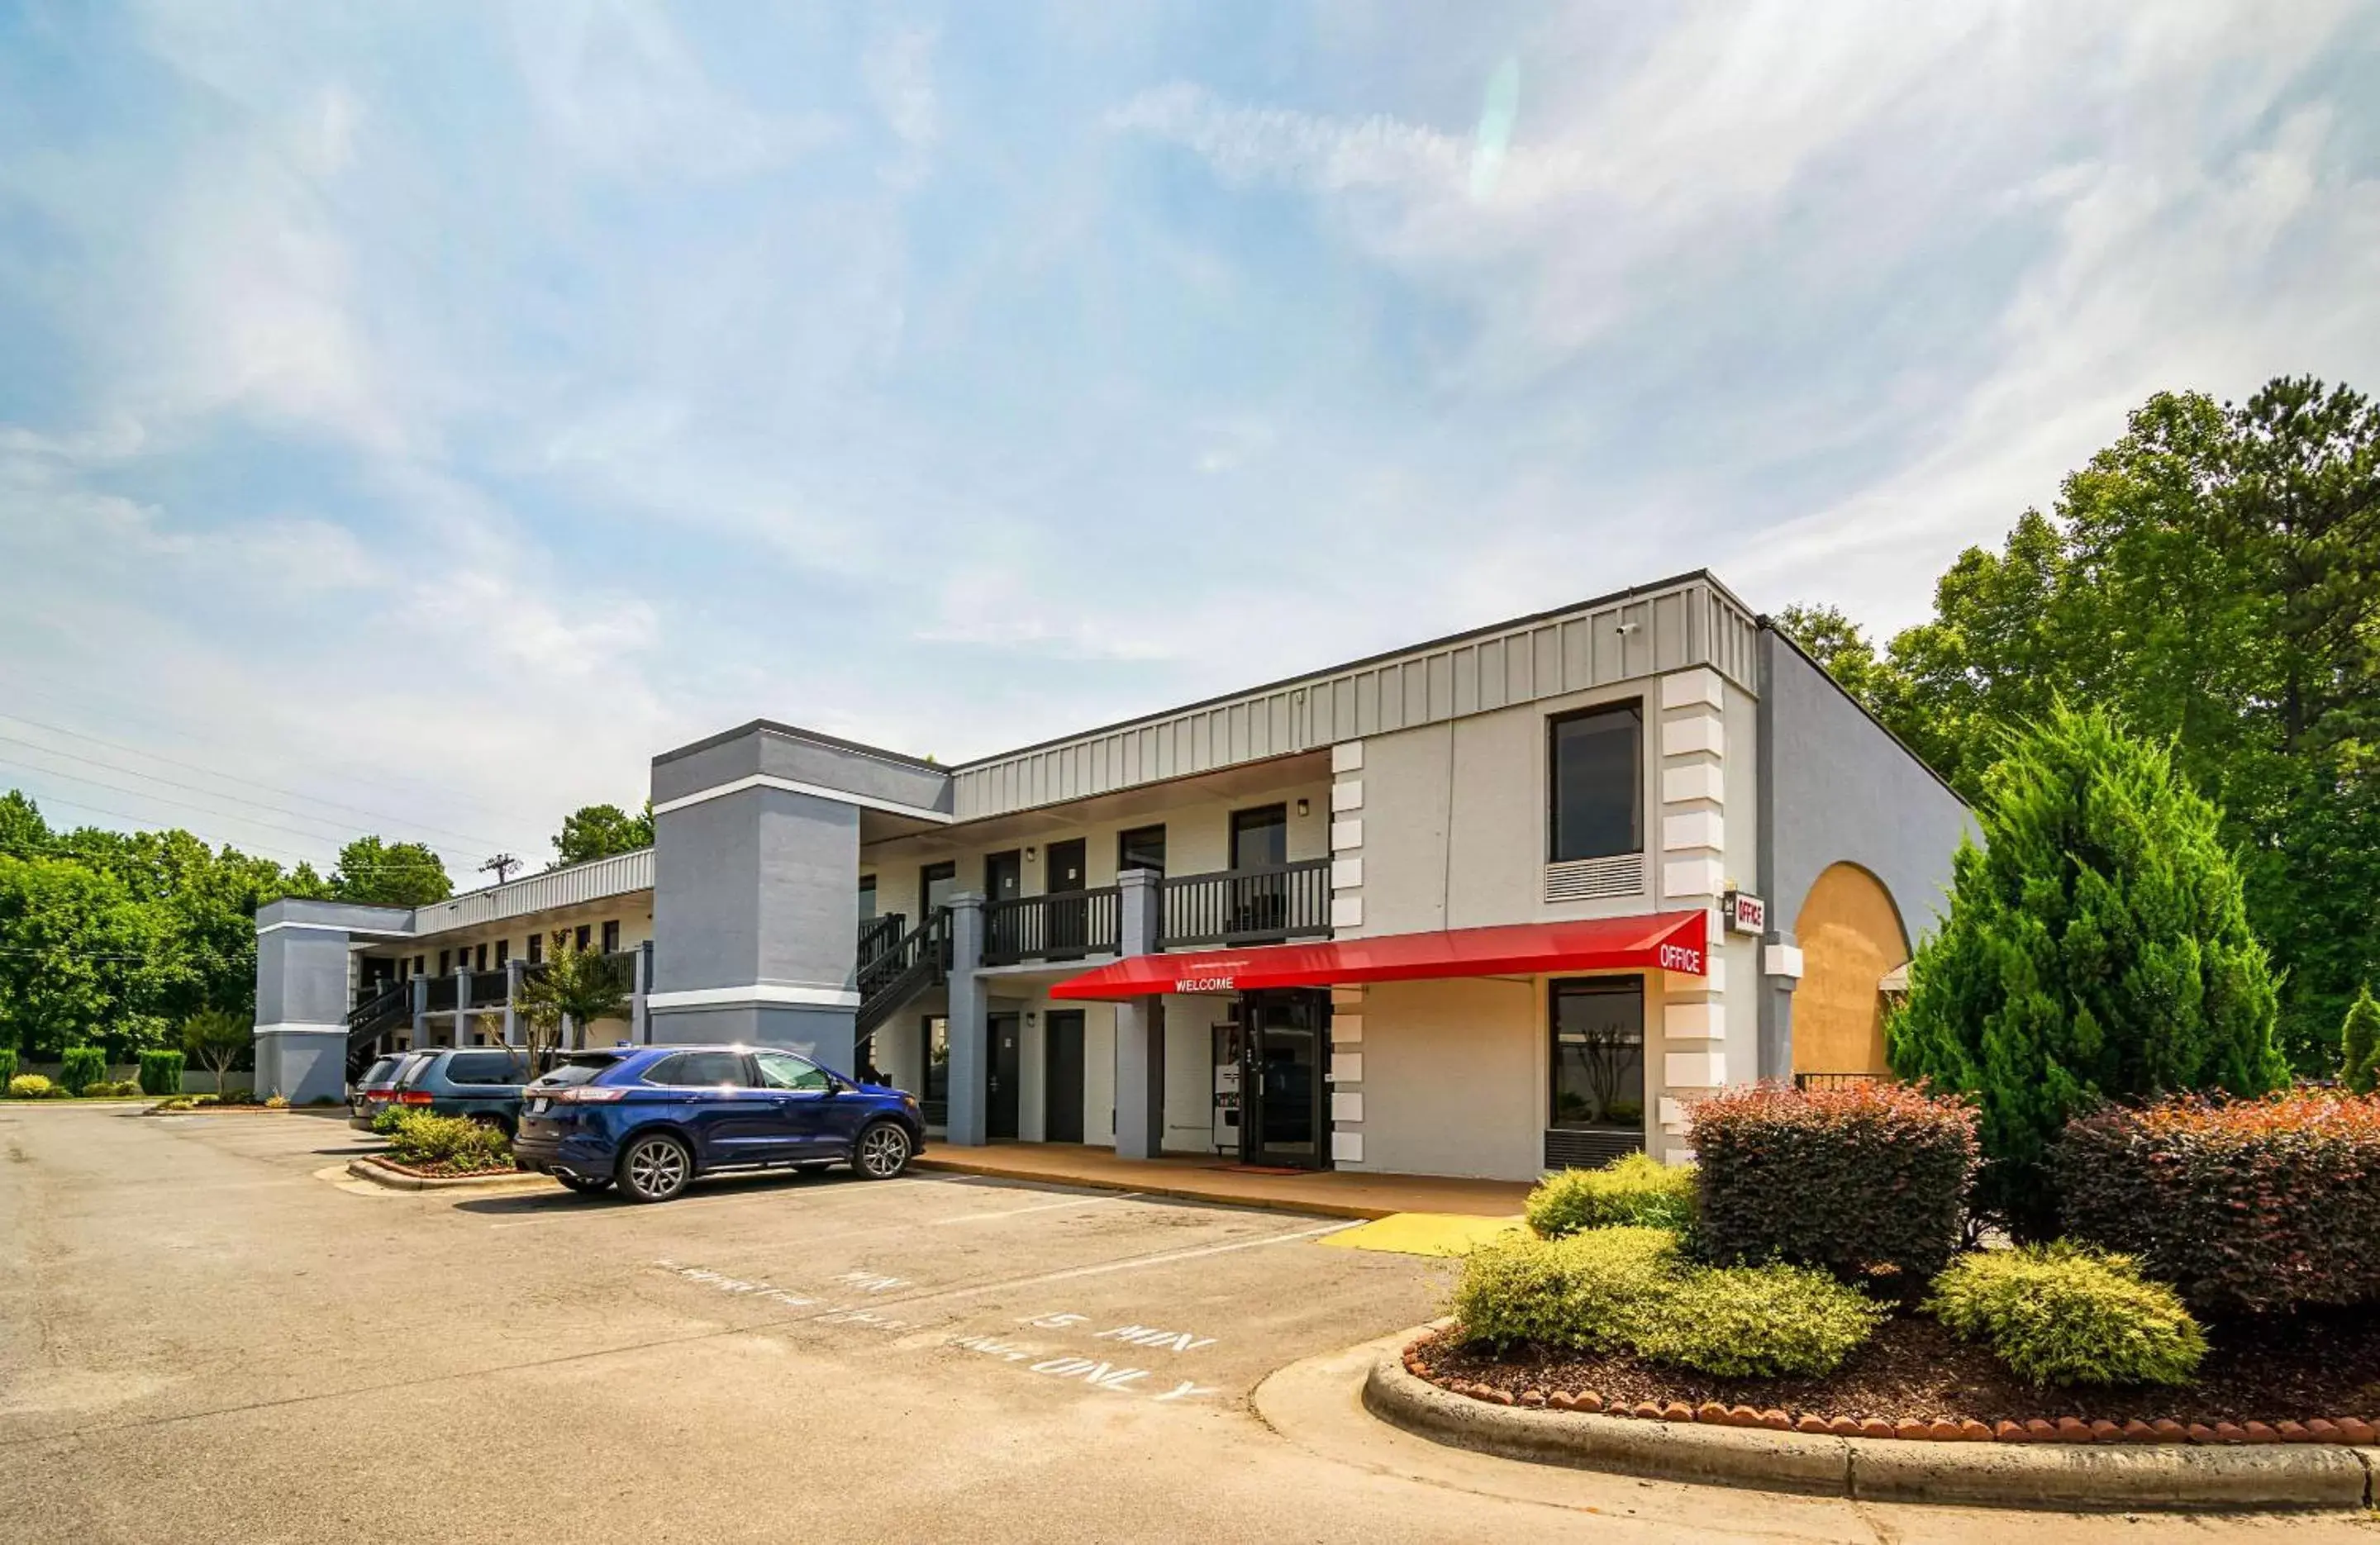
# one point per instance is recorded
(436, 409)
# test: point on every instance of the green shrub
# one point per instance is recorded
(104, 1089)
(1638, 1190)
(2358, 1046)
(1756, 1322)
(30, 1086)
(8, 1065)
(427, 1140)
(1868, 1181)
(2246, 1206)
(384, 1120)
(161, 1072)
(2064, 1314)
(1582, 1291)
(84, 1067)
(2097, 948)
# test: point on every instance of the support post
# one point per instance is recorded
(511, 992)
(970, 1028)
(420, 991)
(1139, 1029)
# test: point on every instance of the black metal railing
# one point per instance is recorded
(1266, 904)
(387, 1003)
(917, 960)
(879, 934)
(1065, 925)
(490, 989)
(1838, 1080)
(441, 990)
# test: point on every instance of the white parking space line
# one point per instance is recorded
(1135, 1262)
(682, 1205)
(1043, 1207)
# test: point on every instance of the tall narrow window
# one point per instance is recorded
(1595, 785)
(1598, 1053)
(612, 936)
(537, 950)
(479, 960)
(445, 962)
(585, 936)
(503, 953)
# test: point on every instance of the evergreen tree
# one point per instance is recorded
(2358, 1046)
(2098, 948)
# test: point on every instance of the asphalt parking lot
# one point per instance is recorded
(206, 1333)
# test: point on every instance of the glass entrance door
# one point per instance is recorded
(1285, 1042)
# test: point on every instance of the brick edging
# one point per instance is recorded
(2060, 1475)
(380, 1172)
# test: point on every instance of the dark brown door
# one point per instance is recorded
(1069, 923)
(1062, 1120)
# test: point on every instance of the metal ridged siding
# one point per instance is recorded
(1690, 624)
(594, 881)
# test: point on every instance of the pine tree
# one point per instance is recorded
(2358, 1046)
(2098, 948)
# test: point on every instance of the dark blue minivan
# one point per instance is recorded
(653, 1118)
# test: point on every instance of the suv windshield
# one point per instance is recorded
(580, 1068)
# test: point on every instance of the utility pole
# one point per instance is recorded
(502, 865)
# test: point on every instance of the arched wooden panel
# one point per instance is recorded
(1850, 935)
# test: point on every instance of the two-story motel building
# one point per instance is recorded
(1499, 902)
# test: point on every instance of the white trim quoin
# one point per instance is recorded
(759, 995)
(300, 1028)
(792, 786)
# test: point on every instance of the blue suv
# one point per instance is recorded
(653, 1118)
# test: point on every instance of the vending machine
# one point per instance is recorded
(1226, 1042)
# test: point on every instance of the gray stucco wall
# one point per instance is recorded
(801, 757)
(302, 958)
(760, 885)
(1837, 788)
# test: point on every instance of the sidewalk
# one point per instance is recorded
(1327, 1194)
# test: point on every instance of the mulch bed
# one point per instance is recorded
(2268, 1372)
(443, 1172)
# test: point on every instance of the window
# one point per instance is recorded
(417, 963)
(1598, 1026)
(1141, 848)
(784, 1070)
(699, 1070)
(445, 962)
(480, 962)
(536, 948)
(867, 898)
(1596, 783)
(612, 936)
(580, 1067)
(585, 936)
(503, 953)
(1259, 837)
(497, 1068)
(935, 884)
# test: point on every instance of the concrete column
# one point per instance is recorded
(970, 1017)
(512, 990)
(641, 1025)
(1139, 1029)
(1781, 972)
(420, 985)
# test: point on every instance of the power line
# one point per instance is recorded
(223, 842)
(343, 829)
(160, 799)
(194, 767)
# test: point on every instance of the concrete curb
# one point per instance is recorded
(2062, 1476)
(368, 1168)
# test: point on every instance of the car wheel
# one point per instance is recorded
(883, 1150)
(585, 1184)
(655, 1169)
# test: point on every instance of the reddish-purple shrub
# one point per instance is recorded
(1867, 1181)
(2245, 1206)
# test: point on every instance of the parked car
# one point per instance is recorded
(481, 1084)
(376, 1089)
(653, 1120)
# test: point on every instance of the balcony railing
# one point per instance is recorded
(1063, 925)
(490, 989)
(441, 991)
(1263, 905)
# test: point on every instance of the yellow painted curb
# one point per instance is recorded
(1442, 1234)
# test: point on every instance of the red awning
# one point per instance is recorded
(1657, 941)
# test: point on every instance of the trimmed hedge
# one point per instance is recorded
(2246, 1206)
(1631, 1288)
(2063, 1314)
(161, 1072)
(1638, 1190)
(82, 1067)
(1867, 1181)
(427, 1140)
(1577, 1291)
(1756, 1322)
